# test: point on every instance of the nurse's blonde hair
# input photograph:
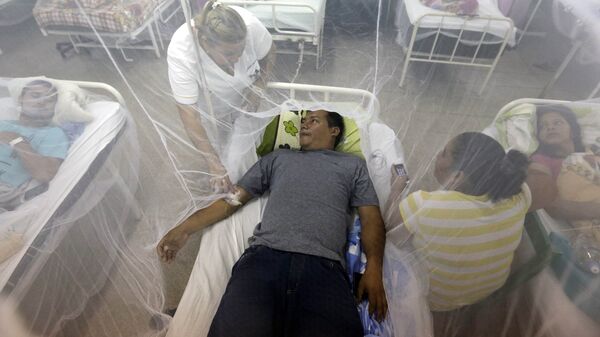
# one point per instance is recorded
(220, 23)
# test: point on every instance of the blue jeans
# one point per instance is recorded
(274, 293)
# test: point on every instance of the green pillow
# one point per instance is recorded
(283, 132)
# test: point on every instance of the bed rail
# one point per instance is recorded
(368, 100)
(458, 28)
(314, 36)
(100, 87)
(317, 24)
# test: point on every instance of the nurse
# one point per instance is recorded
(236, 53)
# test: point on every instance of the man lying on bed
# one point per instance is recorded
(31, 149)
(291, 280)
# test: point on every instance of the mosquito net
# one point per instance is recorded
(477, 122)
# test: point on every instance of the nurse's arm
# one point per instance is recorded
(195, 130)
(266, 67)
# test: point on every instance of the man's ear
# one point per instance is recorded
(335, 131)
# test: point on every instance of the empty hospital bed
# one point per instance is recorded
(434, 36)
(65, 240)
(300, 22)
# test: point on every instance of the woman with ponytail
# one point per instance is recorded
(468, 231)
(235, 53)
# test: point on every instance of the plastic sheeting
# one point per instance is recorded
(80, 257)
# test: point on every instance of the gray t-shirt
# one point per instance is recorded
(312, 194)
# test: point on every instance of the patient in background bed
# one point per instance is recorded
(467, 231)
(31, 148)
(570, 173)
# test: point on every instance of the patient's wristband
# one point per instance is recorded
(15, 141)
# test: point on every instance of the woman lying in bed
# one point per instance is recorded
(467, 231)
(571, 172)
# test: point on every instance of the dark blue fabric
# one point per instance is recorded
(274, 293)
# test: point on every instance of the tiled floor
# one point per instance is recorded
(436, 103)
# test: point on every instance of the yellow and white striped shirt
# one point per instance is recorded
(468, 242)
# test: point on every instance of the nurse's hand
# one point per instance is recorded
(220, 182)
(252, 96)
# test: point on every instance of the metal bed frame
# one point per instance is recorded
(475, 60)
(279, 34)
(22, 269)
(369, 101)
(80, 38)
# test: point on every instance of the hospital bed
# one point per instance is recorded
(300, 21)
(565, 299)
(433, 36)
(69, 235)
(120, 24)
(223, 243)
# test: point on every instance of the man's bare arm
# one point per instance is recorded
(176, 238)
(373, 242)
(41, 168)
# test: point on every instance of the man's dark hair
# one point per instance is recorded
(334, 119)
(44, 83)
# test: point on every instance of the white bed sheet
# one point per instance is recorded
(292, 17)
(35, 213)
(415, 10)
(223, 243)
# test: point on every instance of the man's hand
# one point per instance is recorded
(371, 284)
(171, 243)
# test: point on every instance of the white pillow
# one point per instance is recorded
(69, 103)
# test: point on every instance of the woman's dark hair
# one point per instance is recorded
(569, 116)
(334, 119)
(486, 167)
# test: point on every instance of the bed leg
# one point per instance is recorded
(487, 78)
(153, 38)
(127, 59)
(404, 70)
(162, 45)
(576, 46)
(408, 51)
(74, 43)
(320, 49)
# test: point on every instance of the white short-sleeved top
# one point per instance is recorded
(226, 90)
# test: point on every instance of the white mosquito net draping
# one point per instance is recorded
(121, 118)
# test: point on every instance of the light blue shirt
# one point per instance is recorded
(48, 141)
